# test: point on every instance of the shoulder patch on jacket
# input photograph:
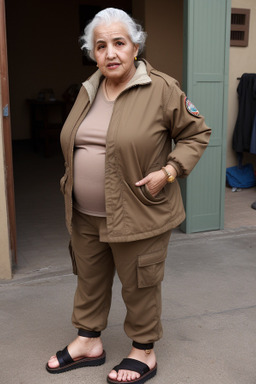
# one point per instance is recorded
(191, 108)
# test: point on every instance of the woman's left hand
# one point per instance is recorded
(154, 182)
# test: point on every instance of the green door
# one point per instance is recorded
(206, 54)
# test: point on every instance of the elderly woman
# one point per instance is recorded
(122, 198)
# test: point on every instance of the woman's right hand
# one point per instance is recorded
(155, 181)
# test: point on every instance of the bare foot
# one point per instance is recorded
(137, 354)
(79, 348)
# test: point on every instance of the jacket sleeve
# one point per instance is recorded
(189, 132)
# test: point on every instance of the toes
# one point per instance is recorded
(123, 375)
(134, 375)
(113, 375)
(53, 362)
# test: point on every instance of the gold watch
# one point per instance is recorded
(169, 177)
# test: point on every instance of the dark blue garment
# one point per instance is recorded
(241, 177)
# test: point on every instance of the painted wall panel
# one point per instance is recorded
(206, 66)
(208, 33)
(205, 204)
(208, 97)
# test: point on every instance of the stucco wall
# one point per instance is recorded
(5, 255)
(241, 60)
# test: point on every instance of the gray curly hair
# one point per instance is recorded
(108, 16)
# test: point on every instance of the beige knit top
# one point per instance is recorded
(89, 157)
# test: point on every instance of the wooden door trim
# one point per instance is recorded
(7, 136)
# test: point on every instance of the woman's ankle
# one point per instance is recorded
(85, 346)
(146, 356)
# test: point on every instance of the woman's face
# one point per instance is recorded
(114, 52)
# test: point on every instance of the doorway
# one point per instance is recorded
(46, 56)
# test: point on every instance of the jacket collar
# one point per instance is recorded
(140, 77)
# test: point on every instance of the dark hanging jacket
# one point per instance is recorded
(247, 109)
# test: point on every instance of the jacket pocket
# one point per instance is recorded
(147, 197)
(143, 195)
(150, 269)
(150, 198)
(73, 260)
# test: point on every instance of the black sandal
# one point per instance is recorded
(137, 366)
(67, 363)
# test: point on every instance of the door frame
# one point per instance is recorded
(7, 136)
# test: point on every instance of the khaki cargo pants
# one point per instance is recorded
(140, 267)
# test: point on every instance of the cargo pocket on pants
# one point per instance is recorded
(73, 260)
(150, 268)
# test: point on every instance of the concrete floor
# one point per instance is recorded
(209, 301)
(238, 211)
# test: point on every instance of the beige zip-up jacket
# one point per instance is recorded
(147, 116)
